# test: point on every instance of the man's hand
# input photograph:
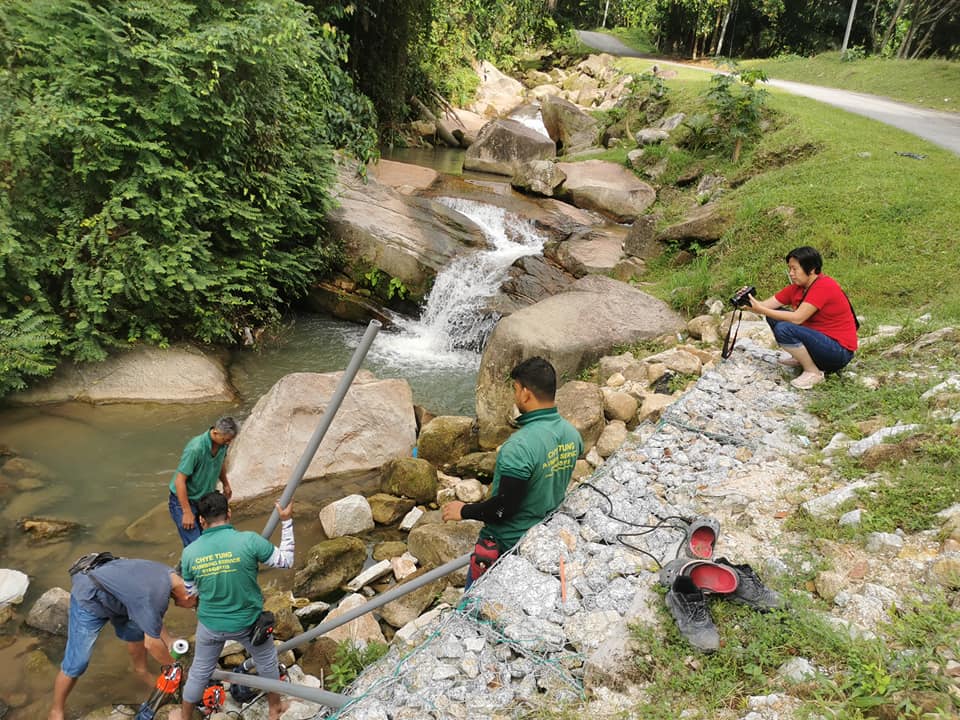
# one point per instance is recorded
(188, 520)
(227, 490)
(451, 511)
(285, 513)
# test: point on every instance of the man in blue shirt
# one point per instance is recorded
(134, 596)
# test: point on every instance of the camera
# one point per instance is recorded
(740, 298)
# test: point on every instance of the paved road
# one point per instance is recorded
(940, 128)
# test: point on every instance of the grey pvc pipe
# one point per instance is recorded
(370, 605)
(331, 410)
(323, 697)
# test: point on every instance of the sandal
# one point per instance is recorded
(706, 575)
(702, 533)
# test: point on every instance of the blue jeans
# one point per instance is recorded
(83, 628)
(176, 512)
(206, 652)
(826, 353)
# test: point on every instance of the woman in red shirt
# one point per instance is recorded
(811, 318)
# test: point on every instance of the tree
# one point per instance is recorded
(164, 169)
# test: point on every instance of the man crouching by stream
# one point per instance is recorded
(533, 469)
(221, 567)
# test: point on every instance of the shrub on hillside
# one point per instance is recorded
(164, 170)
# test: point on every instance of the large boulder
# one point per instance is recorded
(435, 543)
(181, 374)
(410, 606)
(569, 127)
(540, 177)
(409, 238)
(706, 224)
(582, 404)
(572, 330)
(374, 424)
(504, 146)
(51, 612)
(401, 176)
(328, 566)
(388, 509)
(410, 477)
(446, 438)
(497, 94)
(597, 249)
(608, 188)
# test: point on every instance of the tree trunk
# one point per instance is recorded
(723, 31)
(442, 130)
(738, 146)
(891, 26)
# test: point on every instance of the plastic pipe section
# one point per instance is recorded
(332, 406)
(372, 604)
(322, 697)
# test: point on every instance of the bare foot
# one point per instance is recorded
(55, 714)
(275, 713)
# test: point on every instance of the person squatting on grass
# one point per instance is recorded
(201, 465)
(131, 594)
(811, 318)
(533, 468)
(221, 568)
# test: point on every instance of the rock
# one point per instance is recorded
(677, 360)
(945, 571)
(181, 374)
(435, 544)
(653, 405)
(651, 136)
(403, 566)
(629, 270)
(410, 239)
(571, 330)
(374, 424)
(829, 584)
(612, 437)
(42, 529)
(409, 607)
(388, 549)
(568, 126)
(51, 612)
(411, 519)
(641, 240)
(370, 575)
(825, 505)
(581, 403)
(410, 477)
(881, 543)
(607, 188)
(671, 122)
(318, 656)
(704, 225)
(328, 566)
(497, 93)
(504, 146)
(286, 623)
(348, 516)
(312, 611)
(403, 175)
(470, 491)
(597, 250)
(360, 631)
(852, 518)
(861, 446)
(619, 406)
(540, 177)
(797, 670)
(21, 468)
(704, 327)
(388, 509)
(154, 526)
(445, 439)
(479, 465)
(13, 586)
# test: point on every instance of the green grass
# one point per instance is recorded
(930, 83)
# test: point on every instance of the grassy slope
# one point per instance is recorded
(929, 83)
(886, 224)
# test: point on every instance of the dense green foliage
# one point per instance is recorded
(760, 28)
(164, 170)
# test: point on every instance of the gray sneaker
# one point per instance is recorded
(689, 608)
(751, 590)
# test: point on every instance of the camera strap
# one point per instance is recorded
(728, 344)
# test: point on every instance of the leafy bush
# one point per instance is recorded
(164, 170)
(349, 659)
(738, 105)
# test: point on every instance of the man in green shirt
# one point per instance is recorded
(221, 568)
(534, 465)
(201, 466)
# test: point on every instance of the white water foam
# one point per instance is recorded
(454, 325)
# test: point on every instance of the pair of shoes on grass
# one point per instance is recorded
(689, 582)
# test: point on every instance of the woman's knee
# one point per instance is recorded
(785, 333)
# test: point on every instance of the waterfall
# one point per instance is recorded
(454, 324)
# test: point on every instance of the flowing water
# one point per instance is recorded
(108, 465)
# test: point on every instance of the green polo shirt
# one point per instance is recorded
(223, 564)
(201, 468)
(543, 452)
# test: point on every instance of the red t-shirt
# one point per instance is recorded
(833, 318)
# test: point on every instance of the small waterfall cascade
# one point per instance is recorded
(454, 324)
